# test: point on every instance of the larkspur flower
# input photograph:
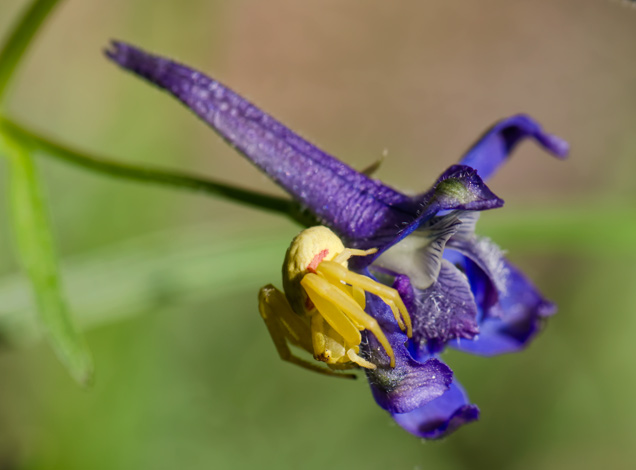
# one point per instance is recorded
(458, 289)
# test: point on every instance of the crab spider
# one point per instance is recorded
(322, 308)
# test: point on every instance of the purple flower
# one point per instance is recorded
(458, 287)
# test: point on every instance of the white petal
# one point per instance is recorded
(419, 255)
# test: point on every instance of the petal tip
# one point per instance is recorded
(557, 146)
(440, 417)
(138, 61)
(498, 143)
(546, 309)
(116, 51)
(464, 415)
(461, 187)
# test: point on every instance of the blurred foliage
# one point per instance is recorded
(37, 253)
(31, 225)
(186, 375)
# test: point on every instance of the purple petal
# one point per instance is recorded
(487, 272)
(410, 384)
(441, 416)
(511, 323)
(458, 188)
(444, 311)
(351, 203)
(494, 147)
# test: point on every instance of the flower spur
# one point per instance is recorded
(458, 288)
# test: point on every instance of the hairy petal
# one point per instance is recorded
(495, 146)
(350, 202)
(441, 416)
(444, 311)
(410, 384)
(459, 188)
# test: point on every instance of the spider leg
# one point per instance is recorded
(342, 312)
(284, 326)
(328, 345)
(347, 253)
(337, 272)
(320, 291)
(326, 348)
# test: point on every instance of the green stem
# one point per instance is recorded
(154, 176)
(20, 38)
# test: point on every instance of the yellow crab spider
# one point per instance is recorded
(322, 309)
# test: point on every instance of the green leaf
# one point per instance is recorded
(37, 256)
(20, 38)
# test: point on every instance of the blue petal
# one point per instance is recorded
(444, 311)
(410, 384)
(497, 143)
(458, 188)
(486, 268)
(441, 416)
(350, 202)
(511, 322)
(461, 188)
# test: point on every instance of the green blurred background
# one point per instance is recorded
(165, 282)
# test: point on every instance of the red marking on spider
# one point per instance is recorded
(311, 267)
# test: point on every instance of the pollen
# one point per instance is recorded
(321, 289)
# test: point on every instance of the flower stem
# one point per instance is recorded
(20, 38)
(155, 176)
